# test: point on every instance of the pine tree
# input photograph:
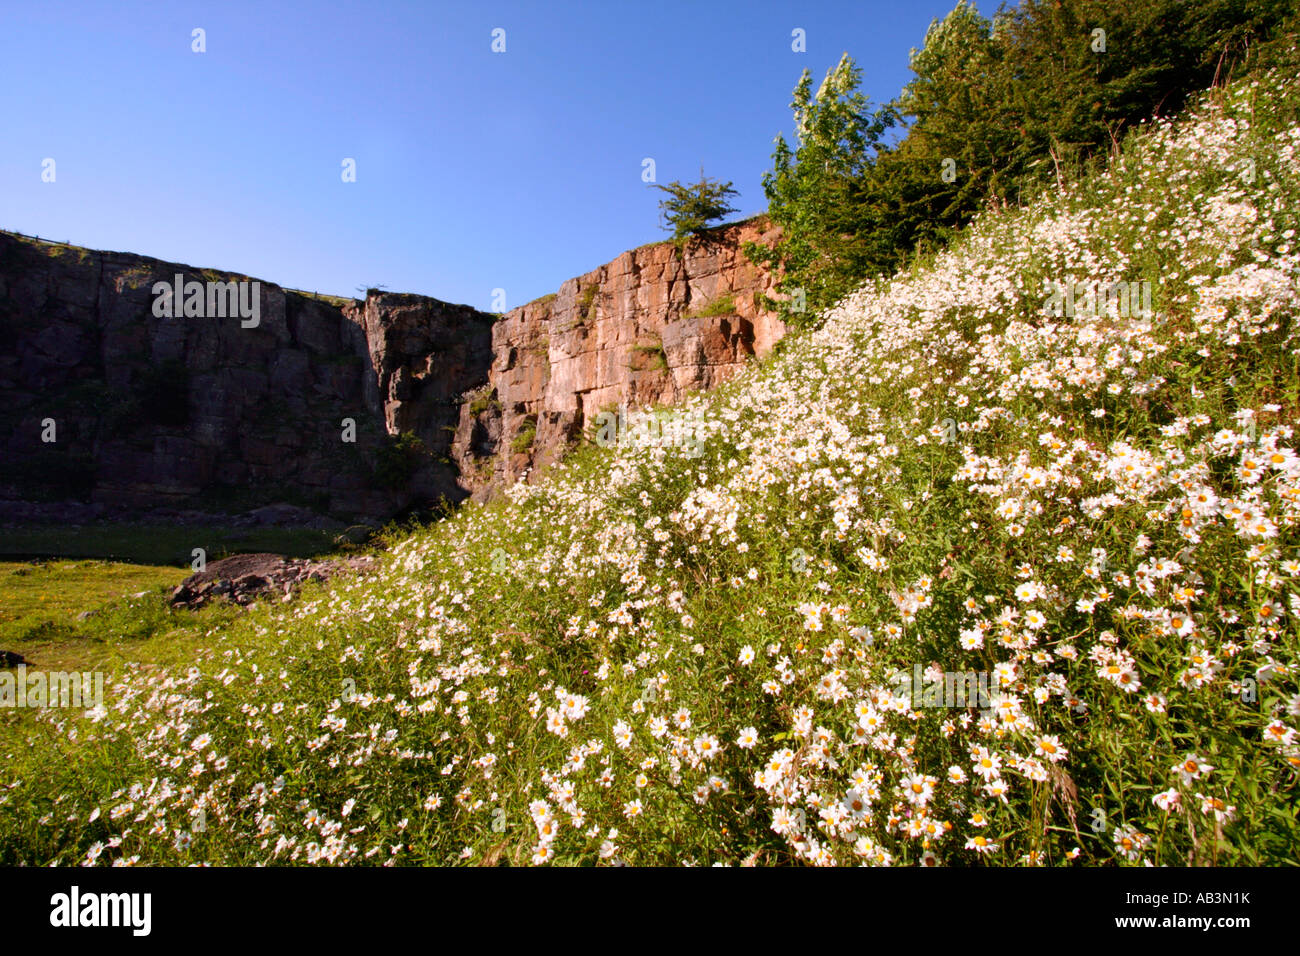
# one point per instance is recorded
(689, 209)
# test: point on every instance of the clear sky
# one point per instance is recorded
(475, 170)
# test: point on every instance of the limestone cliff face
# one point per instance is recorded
(208, 414)
(642, 330)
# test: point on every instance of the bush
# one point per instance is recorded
(398, 459)
(523, 439)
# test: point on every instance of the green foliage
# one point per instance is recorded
(483, 400)
(398, 459)
(1026, 97)
(585, 299)
(523, 439)
(689, 209)
(724, 304)
(825, 248)
(997, 109)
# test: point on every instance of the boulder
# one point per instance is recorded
(243, 578)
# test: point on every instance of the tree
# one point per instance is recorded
(997, 110)
(826, 246)
(1027, 97)
(688, 210)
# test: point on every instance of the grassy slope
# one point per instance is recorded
(40, 597)
(687, 651)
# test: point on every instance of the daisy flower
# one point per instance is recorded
(1192, 768)
(981, 844)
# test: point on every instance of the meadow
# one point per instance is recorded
(704, 653)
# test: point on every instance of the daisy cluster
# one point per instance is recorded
(665, 654)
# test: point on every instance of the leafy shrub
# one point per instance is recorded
(398, 459)
(724, 304)
(523, 439)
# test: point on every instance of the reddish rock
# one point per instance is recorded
(626, 333)
(158, 411)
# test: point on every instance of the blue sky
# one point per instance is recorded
(475, 170)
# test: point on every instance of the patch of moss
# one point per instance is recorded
(724, 304)
(585, 299)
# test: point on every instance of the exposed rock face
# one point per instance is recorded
(642, 330)
(246, 577)
(215, 414)
(204, 412)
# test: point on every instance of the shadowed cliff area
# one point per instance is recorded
(320, 411)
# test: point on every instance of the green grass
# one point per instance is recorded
(43, 617)
(160, 544)
(38, 596)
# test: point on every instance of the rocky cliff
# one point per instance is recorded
(642, 330)
(105, 401)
